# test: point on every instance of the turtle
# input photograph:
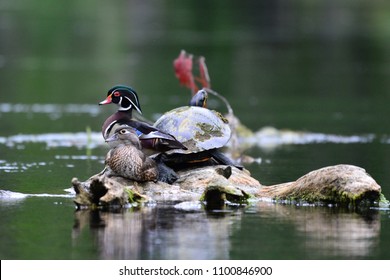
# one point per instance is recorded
(201, 130)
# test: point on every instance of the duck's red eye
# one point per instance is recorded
(117, 94)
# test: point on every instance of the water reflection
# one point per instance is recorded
(331, 232)
(162, 232)
(165, 232)
(343, 235)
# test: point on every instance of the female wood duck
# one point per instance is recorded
(152, 139)
(126, 158)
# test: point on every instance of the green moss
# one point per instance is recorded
(333, 195)
(383, 202)
(134, 197)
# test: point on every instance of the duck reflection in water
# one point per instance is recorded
(162, 232)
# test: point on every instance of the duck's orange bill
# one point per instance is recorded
(108, 100)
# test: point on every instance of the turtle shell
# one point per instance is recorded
(197, 128)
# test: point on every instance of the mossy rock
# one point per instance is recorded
(345, 185)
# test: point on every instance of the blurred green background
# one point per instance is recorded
(306, 65)
(315, 65)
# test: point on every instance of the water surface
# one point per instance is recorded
(315, 73)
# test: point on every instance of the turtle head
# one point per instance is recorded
(125, 97)
(199, 99)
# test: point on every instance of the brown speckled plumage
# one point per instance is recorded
(126, 158)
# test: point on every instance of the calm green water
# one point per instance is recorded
(317, 67)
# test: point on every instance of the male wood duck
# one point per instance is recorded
(126, 158)
(152, 140)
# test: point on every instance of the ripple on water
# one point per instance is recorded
(54, 110)
(270, 137)
(7, 195)
(54, 140)
(9, 167)
(267, 137)
(78, 157)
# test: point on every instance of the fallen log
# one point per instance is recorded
(341, 185)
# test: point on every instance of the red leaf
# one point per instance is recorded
(204, 78)
(183, 70)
